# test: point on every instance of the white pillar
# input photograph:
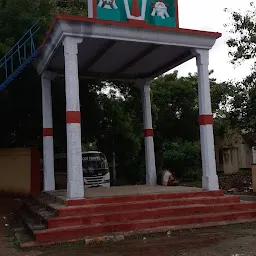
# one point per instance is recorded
(210, 178)
(90, 7)
(48, 150)
(151, 178)
(75, 184)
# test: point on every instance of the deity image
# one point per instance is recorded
(108, 4)
(158, 13)
(160, 9)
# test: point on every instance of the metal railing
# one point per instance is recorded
(19, 56)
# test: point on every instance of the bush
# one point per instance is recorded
(192, 174)
(184, 159)
(131, 172)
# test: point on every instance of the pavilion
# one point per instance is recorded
(135, 40)
(121, 40)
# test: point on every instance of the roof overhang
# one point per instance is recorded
(121, 50)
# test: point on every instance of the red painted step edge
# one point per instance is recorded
(146, 214)
(62, 234)
(80, 210)
(141, 197)
(35, 244)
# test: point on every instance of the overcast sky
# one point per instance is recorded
(209, 15)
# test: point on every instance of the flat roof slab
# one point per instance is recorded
(116, 50)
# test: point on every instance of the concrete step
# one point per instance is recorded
(151, 213)
(141, 197)
(152, 204)
(38, 211)
(31, 223)
(49, 202)
(28, 242)
(24, 237)
(75, 232)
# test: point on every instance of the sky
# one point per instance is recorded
(209, 15)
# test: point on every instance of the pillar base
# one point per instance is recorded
(210, 182)
(49, 186)
(75, 190)
(151, 179)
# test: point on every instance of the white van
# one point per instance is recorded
(95, 170)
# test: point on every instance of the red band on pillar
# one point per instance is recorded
(73, 117)
(148, 133)
(47, 132)
(205, 119)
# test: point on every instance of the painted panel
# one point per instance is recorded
(163, 13)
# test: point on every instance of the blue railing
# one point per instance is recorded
(18, 57)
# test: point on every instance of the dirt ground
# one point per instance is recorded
(7, 246)
(239, 240)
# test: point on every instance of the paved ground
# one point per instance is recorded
(234, 240)
(248, 198)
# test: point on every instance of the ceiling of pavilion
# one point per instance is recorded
(109, 59)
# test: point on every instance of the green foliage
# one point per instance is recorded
(118, 126)
(175, 111)
(121, 131)
(244, 107)
(175, 106)
(183, 158)
(223, 95)
(221, 126)
(17, 16)
(242, 45)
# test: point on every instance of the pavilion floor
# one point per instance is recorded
(127, 191)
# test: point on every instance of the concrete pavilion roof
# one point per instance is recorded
(121, 50)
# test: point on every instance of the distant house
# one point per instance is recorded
(232, 153)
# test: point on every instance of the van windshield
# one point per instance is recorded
(94, 161)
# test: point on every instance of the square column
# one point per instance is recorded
(75, 183)
(151, 178)
(210, 178)
(48, 149)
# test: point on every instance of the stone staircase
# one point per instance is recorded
(49, 220)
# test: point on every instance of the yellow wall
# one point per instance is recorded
(15, 170)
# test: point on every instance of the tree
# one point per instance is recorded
(17, 16)
(175, 109)
(20, 103)
(242, 44)
(242, 41)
